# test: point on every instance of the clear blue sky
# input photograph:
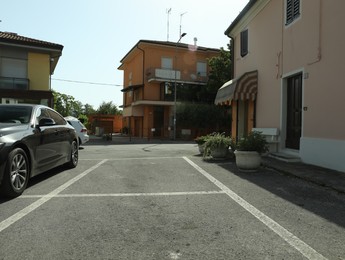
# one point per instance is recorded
(96, 35)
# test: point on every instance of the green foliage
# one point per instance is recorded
(254, 141)
(220, 72)
(66, 105)
(89, 110)
(108, 108)
(200, 140)
(85, 120)
(203, 116)
(216, 140)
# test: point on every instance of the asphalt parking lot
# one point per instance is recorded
(163, 201)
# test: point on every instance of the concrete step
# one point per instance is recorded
(285, 157)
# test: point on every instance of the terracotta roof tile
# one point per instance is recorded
(9, 37)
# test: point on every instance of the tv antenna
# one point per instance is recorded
(181, 22)
(168, 15)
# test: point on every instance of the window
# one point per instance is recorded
(41, 113)
(201, 69)
(167, 63)
(167, 91)
(292, 10)
(13, 68)
(244, 43)
(59, 120)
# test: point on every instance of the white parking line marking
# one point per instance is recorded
(22, 213)
(127, 194)
(136, 158)
(290, 238)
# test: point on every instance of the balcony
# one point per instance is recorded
(14, 83)
(167, 75)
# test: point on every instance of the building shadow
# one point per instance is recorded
(321, 201)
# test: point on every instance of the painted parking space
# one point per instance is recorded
(145, 207)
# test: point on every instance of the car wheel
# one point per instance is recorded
(17, 173)
(74, 155)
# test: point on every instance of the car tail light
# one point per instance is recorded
(83, 130)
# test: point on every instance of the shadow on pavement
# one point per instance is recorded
(321, 201)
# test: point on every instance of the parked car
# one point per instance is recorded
(80, 128)
(33, 140)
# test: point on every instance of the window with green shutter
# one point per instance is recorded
(292, 10)
(244, 43)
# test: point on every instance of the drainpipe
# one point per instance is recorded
(142, 124)
(232, 76)
(319, 54)
(143, 66)
(232, 56)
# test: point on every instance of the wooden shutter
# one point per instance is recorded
(292, 10)
(244, 43)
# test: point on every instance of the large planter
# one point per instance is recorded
(219, 152)
(248, 161)
(201, 148)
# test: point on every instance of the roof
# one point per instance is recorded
(169, 44)
(14, 38)
(240, 16)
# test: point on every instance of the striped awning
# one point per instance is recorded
(242, 88)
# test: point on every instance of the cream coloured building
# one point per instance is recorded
(288, 65)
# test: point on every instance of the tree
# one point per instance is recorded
(108, 108)
(66, 105)
(88, 109)
(220, 72)
(203, 116)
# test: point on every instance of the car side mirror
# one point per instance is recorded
(45, 121)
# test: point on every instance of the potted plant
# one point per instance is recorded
(248, 151)
(217, 145)
(201, 140)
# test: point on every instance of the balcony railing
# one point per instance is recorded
(14, 83)
(159, 75)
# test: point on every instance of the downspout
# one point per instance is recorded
(232, 76)
(50, 82)
(143, 68)
(319, 54)
(143, 80)
(232, 55)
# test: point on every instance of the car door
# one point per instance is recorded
(48, 150)
(63, 134)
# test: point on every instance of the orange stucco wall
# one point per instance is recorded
(137, 66)
(98, 120)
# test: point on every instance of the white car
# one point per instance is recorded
(80, 129)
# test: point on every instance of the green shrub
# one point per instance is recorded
(201, 139)
(216, 140)
(254, 141)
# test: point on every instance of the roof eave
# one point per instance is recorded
(250, 4)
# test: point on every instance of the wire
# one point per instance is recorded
(87, 82)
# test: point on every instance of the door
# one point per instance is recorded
(294, 112)
(158, 121)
